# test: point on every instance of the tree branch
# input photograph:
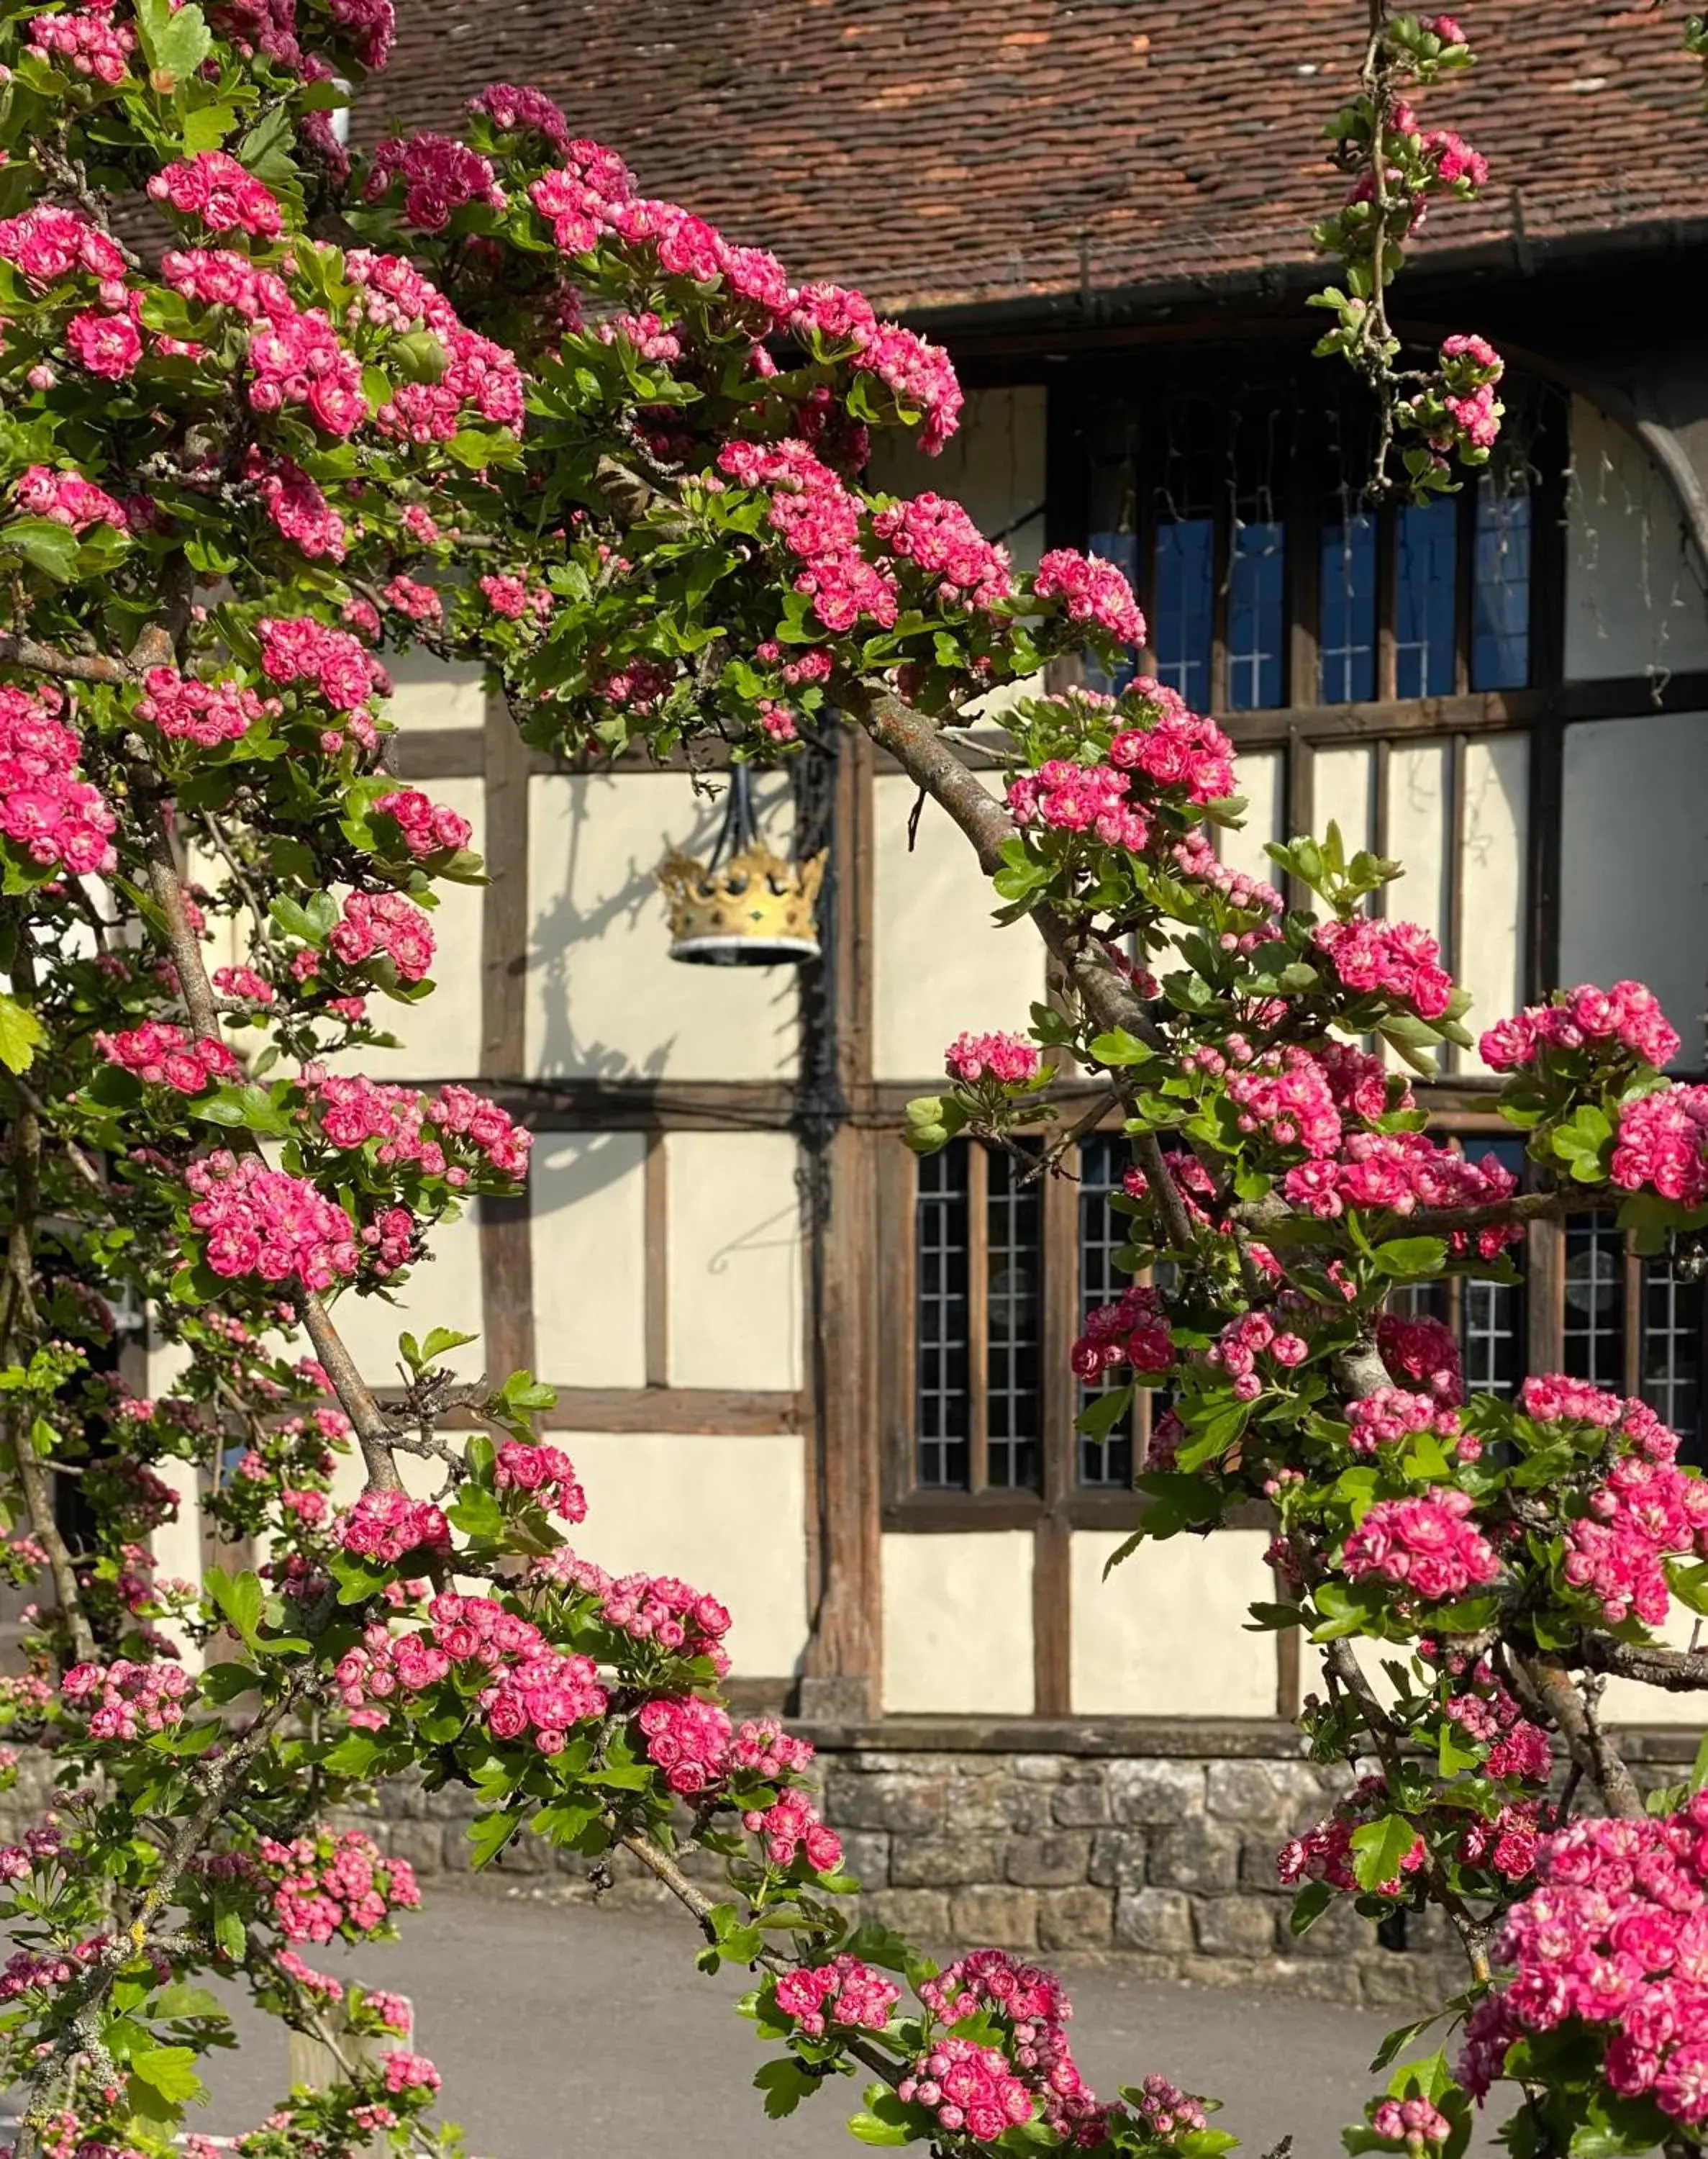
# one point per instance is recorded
(1677, 1671)
(1545, 1687)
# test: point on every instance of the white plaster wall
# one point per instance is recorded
(993, 464)
(725, 1512)
(1634, 873)
(587, 1227)
(1632, 599)
(734, 1283)
(605, 999)
(1497, 828)
(1418, 814)
(443, 1291)
(439, 1038)
(177, 1547)
(1261, 776)
(940, 964)
(434, 693)
(1342, 780)
(957, 1623)
(1163, 1636)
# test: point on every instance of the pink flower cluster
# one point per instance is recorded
(1614, 1936)
(1422, 1352)
(438, 177)
(510, 597)
(938, 537)
(124, 1700)
(792, 1825)
(919, 373)
(262, 1222)
(1491, 1715)
(428, 828)
(69, 500)
(405, 2073)
(1424, 1544)
(214, 189)
(479, 378)
(219, 277)
(243, 986)
(297, 651)
(1091, 591)
(763, 1746)
(1133, 1330)
(546, 1473)
(56, 819)
(1167, 2111)
(386, 923)
(1196, 861)
(971, 2089)
(658, 1608)
(163, 1055)
(1390, 1413)
(108, 344)
(298, 511)
(687, 1738)
(1663, 1144)
(329, 1885)
(297, 357)
(88, 38)
(819, 520)
(1006, 1059)
(209, 713)
(1396, 958)
(1644, 1511)
(387, 1525)
(1286, 1093)
(410, 1128)
(512, 110)
(1080, 798)
(1400, 1171)
(531, 1684)
(846, 1992)
(1037, 2009)
(1413, 2122)
(1177, 748)
(1627, 1017)
(1324, 1853)
(47, 244)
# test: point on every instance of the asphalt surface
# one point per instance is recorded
(565, 2030)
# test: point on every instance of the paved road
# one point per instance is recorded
(569, 2031)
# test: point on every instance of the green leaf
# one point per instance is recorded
(182, 2000)
(869, 2129)
(488, 1834)
(785, 2083)
(442, 1339)
(239, 1601)
(1118, 1047)
(354, 1756)
(1412, 1255)
(1309, 1904)
(170, 2071)
(21, 1035)
(207, 128)
(1380, 1848)
(45, 545)
(230, 1934)
(1103, 1411)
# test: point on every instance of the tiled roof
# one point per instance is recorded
(948, 154)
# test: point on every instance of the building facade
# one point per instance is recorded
(827, 1380)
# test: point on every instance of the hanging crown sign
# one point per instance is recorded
(746, 905)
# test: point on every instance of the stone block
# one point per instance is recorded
(1074, 1919)
(1257, 1857)
(1005, 1917)
(1271, 1796)
(422, 1844)
(1408, 1982)
(934, 1862)
(1200, 1855)
(1041, 1769)
(1157, 1920)
(1081, 1799)
(921, 1913)
(1000, 1803)
(1235, 1926)
(1118, 1859)
(1153, 1794)
(1052, 1861)
(866, 1856)
(913, 1804)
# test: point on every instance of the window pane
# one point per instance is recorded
(1500, 629)
(1256, 613)
(1012, 1266)
(1595, 1301)
(1184, 583)
(1103, 1161)
(1346, 643)
(1492, 1321)
(1426, 536)
(942, 1406)
(1672, 1350)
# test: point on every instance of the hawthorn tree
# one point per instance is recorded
(268, 411)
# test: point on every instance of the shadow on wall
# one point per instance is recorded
(609, 1002)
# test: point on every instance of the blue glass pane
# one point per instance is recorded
(1184, 594)
(1500, 642)
(1427, 535)
(1256, 615)
(1347, 645)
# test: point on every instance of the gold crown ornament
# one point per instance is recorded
(745, 906)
